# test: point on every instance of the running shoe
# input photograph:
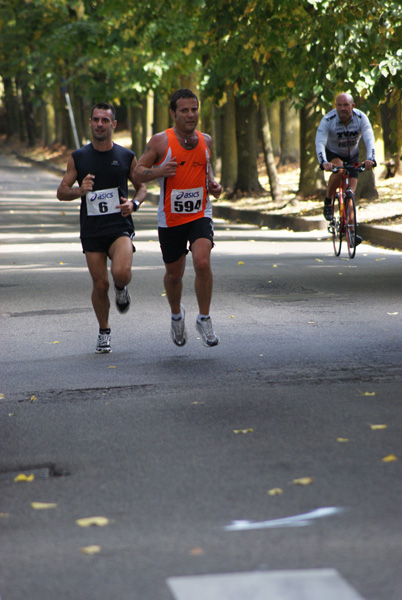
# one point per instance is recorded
(103, 344)
(178, 330)
(208, 335)
(328, 213)
(123, 299)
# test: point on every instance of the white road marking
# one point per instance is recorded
(310, 584)
(296, 521)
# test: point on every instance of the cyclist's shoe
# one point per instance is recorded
(103, 343)
(208, 335)
(328, 212)
(358, 240)
(123, 299)
(178, 330)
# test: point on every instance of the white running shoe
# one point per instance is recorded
(178, 330)
(208, 335)
(123, 299)
(103, 343)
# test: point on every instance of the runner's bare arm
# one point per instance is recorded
(140, 193)
(154, 152)
(66, 191)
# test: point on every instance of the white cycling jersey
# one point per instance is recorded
(343, 140)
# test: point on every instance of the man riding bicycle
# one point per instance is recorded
(337, 141)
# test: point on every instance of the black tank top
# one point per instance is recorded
(111, 170)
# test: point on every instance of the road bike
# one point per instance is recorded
(343, 222)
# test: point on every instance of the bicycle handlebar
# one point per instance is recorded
(347, 167)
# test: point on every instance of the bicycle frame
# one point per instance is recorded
(343, 222)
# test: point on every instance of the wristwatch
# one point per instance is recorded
(136, 205)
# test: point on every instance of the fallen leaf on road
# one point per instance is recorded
(303, 481)
(342, 440)
(240, 262)
(196, 552)
(389, 458)
(375, 427)
(43, 505)
(33, 399)
(4, 515)
(2, 396)
(367, 393)
(90, 550)
(89, 521)
(275, 266)
(112, 367)
(391, 314)
(55, 342)
(275, 492)
(319, 260)
(23, 477)
(243, 430)
(379, 259)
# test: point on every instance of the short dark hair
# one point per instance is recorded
(104, 106)
(183, 93)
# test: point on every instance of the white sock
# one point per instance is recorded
(177, 317)
(202, 317)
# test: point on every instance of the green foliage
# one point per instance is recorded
(275, 48)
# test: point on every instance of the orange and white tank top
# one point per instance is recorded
(184, 197)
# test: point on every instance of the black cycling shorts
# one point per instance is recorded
(103, 243)
(173, 240)
(353, 172)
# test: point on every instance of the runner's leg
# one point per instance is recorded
(201, 251)
(173, 281)
(121, 256)
(97, 265)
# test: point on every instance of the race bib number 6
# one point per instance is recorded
(102, 202)
(187, 201)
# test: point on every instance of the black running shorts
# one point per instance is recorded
(103, 243)
(173, 240)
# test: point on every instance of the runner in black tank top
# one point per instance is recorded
(102, 170)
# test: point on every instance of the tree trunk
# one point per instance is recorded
(286, 135)
(208, 125)
(28, 112)
(311, 177)
(11, 104)
(161, 114)
(273, 111)
(247, 147)
(48, 127)
(366, 181)
(144, 120)
(135, 122)
(276, 191)
(229, 145)
(398, 158)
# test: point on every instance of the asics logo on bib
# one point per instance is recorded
(101, 196)
(185, 195)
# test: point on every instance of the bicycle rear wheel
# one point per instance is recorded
(336, 225)
(350, 214)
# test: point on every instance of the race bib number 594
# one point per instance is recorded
(103, 202)
(187, 201)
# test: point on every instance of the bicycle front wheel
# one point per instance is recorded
(336, 224)
(350, 214)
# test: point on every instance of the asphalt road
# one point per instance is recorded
(177, 448)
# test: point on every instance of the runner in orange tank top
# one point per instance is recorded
(180, 159)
